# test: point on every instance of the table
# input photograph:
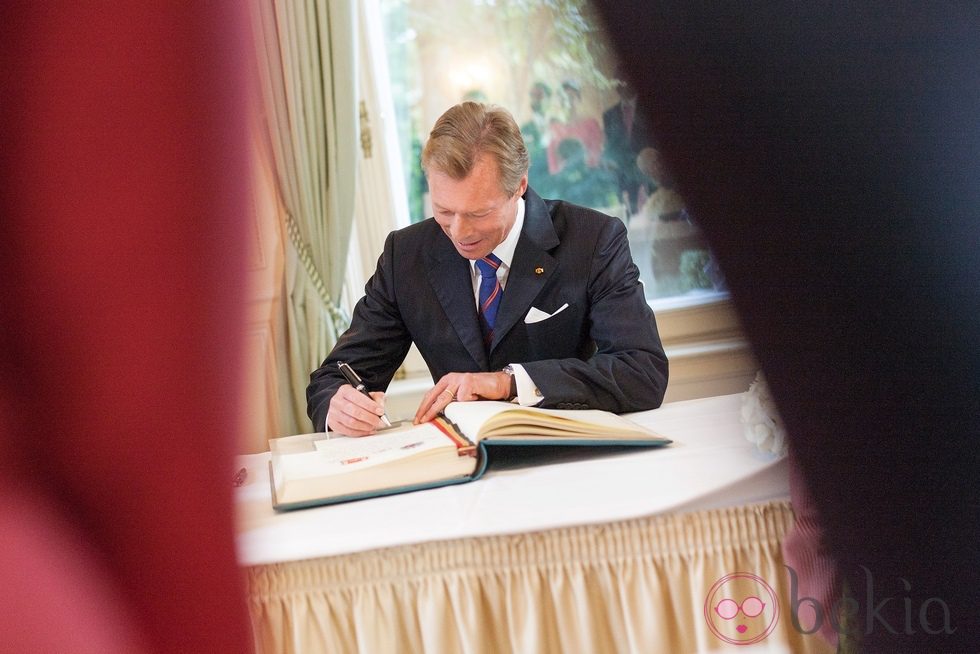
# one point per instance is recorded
(584, 551)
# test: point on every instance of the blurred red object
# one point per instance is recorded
(122, 196)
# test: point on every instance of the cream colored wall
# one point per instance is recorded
(707, 352)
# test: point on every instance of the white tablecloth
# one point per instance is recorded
(710, 465)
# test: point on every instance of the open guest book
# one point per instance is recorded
(325, 468)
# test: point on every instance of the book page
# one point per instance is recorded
(470, 416)
(342, 454)
(488, 419)
(317, 467)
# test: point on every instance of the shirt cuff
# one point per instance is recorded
(527, 391)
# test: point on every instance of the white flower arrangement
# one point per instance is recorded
(761, 420)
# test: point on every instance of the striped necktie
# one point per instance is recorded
(490, 294)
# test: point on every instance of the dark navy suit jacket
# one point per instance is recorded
(603, 351)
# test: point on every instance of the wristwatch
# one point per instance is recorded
(509, 369)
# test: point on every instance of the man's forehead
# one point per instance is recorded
(480, 188)
(468, 205)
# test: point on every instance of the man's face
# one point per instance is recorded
(473, 212)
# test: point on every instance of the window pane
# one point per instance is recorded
(549, 63)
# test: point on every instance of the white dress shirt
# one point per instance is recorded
(527, 391)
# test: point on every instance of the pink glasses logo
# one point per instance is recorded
(741, 609)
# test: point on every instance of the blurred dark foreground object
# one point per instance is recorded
(831, 156)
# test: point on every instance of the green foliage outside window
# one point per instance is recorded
(544, 42)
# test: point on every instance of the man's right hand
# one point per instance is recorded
(354, 414)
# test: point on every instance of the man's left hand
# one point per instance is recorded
(463, 387)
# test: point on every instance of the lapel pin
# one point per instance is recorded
(539, 270)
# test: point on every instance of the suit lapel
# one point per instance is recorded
(524, 282)
(450, 277)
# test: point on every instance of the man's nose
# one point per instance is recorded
(459, 230)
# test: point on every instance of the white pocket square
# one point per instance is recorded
(537, 315)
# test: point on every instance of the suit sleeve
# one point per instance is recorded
(628, 371)
(374, 345)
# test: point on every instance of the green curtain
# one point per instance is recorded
(307, 66)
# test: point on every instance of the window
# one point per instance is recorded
(548, 62)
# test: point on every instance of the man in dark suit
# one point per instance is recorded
(506, 295)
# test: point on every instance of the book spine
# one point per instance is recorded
(464, 446)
